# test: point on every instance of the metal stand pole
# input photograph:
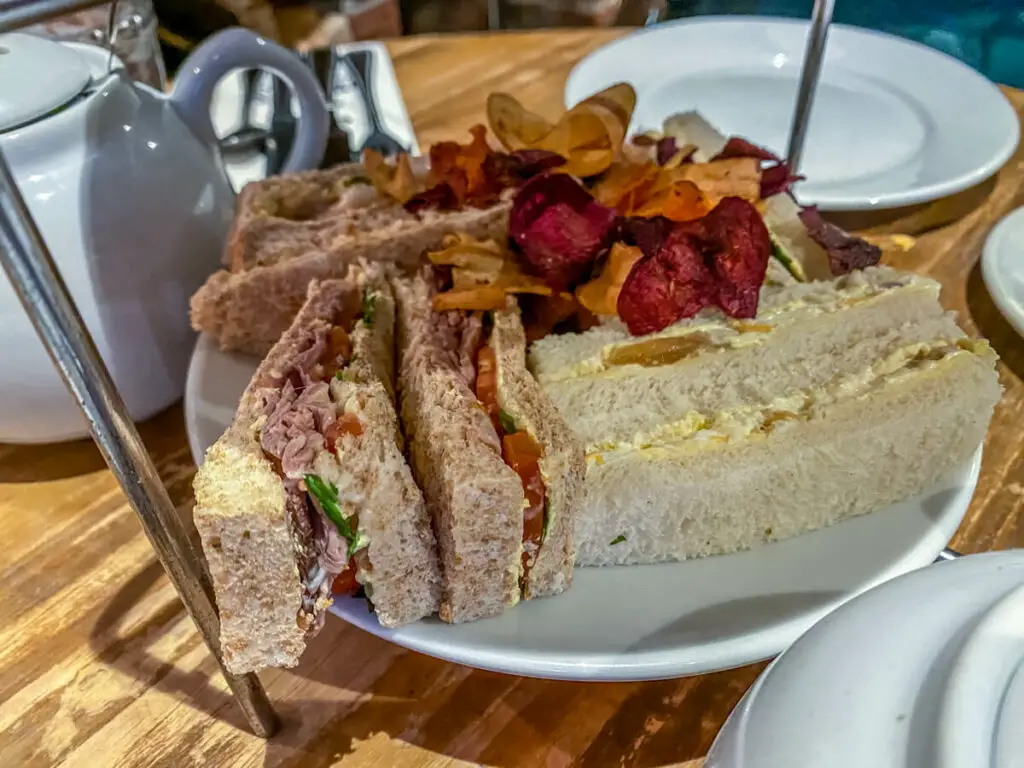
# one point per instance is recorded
(29, 265)
(817, 35)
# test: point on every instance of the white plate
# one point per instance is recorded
(918, 673)
(894, 123)
(1002, 267)
(985, 672)
(647, 622)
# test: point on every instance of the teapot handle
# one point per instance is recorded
(235, 48)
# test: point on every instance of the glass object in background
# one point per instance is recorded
(985, 34)
(135, 36)
(427, 16)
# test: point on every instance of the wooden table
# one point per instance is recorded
(99, 665)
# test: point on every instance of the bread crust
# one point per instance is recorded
(289, 230)
(563, 463)
(475, 500)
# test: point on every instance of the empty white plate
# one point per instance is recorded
(922, 672)
(894, 122)
(647, 622)
(1002, 267)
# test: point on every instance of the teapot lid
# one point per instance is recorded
(37, 76)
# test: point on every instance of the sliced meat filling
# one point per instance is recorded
(303, 421)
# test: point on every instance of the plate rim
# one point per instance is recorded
(976, 665)
(607, 667)
(838, 202)
(626, 666)
(990, 269)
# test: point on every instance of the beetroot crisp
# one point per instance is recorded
(718, 260)
(474, 174)
(664, 286)
(559, 228)
(845, 251)
(775, 178)
(739, 147)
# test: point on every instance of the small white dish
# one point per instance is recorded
(894, 123)
(1002, 267)
(921, 672)
(647, 622)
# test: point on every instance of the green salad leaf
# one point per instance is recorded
(327, 494)
(507, 423)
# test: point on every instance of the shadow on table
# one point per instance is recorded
(920, 218)
(992, 325)
(354, 693)
(432, 708)
(128, 652)
(39, 463)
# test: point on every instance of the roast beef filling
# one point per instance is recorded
(302, 421)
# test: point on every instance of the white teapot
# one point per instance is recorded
(128, 190)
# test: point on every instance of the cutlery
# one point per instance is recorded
(249, 138)
(324, 63)
(282, 126)
(378, 138)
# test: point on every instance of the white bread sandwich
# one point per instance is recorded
(839, 398)
(308, 493)
(501, 473)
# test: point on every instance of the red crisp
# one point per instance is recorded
(559, 228)
(739, 147)
(720, 259)
(741, 247)
(846, 252)
(668, 285)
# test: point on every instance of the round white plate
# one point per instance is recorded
(647, 622)
(1002, 267)
(894, 122)
(918, 673)
(973, 707)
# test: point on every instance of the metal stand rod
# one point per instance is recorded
(817, 35)
(32, 272)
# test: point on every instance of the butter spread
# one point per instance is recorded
(623, 357)
(697, 431)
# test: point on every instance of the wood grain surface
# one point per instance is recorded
(99, 664)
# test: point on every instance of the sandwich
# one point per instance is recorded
(307, 226)
(501, 473)
(715, 434)
(307, 494)
(291, 229)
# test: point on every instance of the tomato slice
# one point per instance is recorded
(519, 450)
(346, 424)
(522, 453)
(487, 384)
(345, 582)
